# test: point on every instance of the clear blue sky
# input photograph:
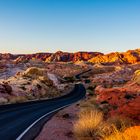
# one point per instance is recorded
(28, 26)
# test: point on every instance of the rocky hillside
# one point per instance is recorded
(33, 83)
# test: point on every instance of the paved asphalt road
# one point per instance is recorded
(16, 118)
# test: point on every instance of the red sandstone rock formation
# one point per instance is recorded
(71, 57)
(123, 101)
(129, 57)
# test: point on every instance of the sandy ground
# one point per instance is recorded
(60, 126)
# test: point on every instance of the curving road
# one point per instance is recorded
(17, 119)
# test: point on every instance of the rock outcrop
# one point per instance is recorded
(123, 100)
(33, 83)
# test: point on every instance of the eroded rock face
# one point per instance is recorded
(123, 101)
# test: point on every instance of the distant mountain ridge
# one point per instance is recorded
(128, 57)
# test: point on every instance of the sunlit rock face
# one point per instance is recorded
(129, 57)
(85, 56)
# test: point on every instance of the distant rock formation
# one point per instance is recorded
(129, 57)
(71, 57)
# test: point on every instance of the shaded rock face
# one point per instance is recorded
(123, 101)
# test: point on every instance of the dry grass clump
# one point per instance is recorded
(89, 103)
(120, 123)
(91, 126)
(132, 133)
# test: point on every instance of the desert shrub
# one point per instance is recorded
(90, 103)
(131, 133)
(86, 105)
(90, 125)
(120, 123)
